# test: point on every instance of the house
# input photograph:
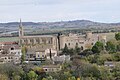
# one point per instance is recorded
(38, 55)
(52, 68)
(50, 53)
(10, 52)
(82, 41)
(61, 59)
(10, 58)
(111, 64)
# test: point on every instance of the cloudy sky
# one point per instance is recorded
(59, 10)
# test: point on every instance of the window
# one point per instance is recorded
(91, 43)
(8, 57)
(18, 52)
(37, 40)
(49, 42)
(24, 41)
(77, 44)
(12, 48)
(69, 44)
(81, 42)
(31, 40)
(81, 47)
(42, 55)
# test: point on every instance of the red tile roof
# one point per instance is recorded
(8, 43)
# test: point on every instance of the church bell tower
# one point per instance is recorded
(21, 32)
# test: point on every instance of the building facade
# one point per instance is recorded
(82, 41)
(10, 53)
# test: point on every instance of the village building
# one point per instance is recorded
(10, 52)
(61, 59)
(111, 64)
(52, 68)
(82, 41)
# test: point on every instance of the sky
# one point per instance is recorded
(106, 11)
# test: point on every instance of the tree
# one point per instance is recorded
(40, 72)
(116, 72)
(104, 57)
(61, 75)
(71, 51)
(24, 51)
(48, 78)
(3, 77)
(98, 47)
(90, 70)
(65, 50)
(116, 56)
(86, 52)
(72, 78)
(93, 58)
(67, 75)
(77, 49)
(44, 79)
(11, 71)
(118, 45)
(32, 75)
(16, 77)
(117, 36)
(111, 46)
(104, 73)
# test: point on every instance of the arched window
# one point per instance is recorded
(12, 48)
(69, 44)
(76, 44)
(81, 47)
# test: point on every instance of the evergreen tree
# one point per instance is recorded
(111, 46)
(32, 75)
(77, 49)
(98, 47)
(117, 36)
(65, 50)
(24, 51)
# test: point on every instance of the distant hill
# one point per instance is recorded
(63, 24)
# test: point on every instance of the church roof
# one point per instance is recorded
(37, 36)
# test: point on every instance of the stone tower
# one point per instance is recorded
(88, 34)
(21, 32)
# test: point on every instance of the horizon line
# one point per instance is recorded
(58, 21)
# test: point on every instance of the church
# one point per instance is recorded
(38, 46)
(41, 41)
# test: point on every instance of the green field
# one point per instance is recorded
(9, 39)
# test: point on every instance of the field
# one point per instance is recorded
(9, 39)
(109, 36)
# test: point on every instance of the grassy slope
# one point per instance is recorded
(8, 39)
